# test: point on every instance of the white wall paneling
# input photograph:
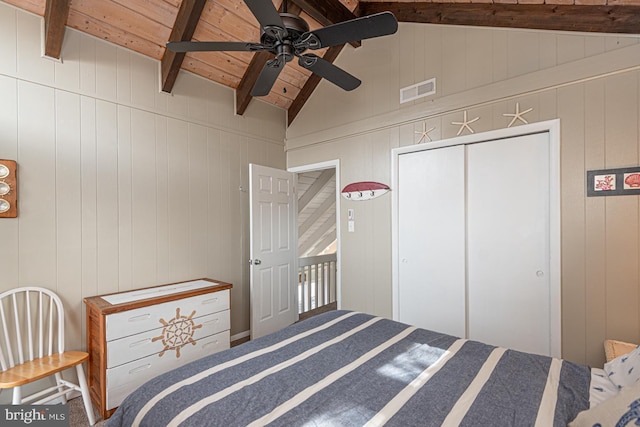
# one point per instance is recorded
(70, 210)
(9, 149)
(37, 171)
(122, 186)
(143, 198)
(107, 254)
(8, 23)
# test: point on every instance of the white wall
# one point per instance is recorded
(591, 82)
(122, 186)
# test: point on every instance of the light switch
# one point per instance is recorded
(352, 226)
(351, 214)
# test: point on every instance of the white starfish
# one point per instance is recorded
(465, 123)
(517, 115)
(425, 133)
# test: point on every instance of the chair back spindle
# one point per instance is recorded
(32, 325)
(16, 316)
(32, 348)
(5, 361)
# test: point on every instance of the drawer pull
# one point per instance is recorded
(139, 318)
(140, 368)
(141, 342)
(216, 320)
(210, 344)
(210, 301)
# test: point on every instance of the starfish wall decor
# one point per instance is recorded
(517, 115)
(465, 123)
(425, 133)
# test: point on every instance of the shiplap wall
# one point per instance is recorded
(590, 82)
(122, 186)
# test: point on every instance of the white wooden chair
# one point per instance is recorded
(32, 347)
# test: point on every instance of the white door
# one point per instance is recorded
(508, 242)
(431, 236)
(273, 252)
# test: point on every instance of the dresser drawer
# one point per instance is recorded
(123, 379)
(126, 323)
(134, 347)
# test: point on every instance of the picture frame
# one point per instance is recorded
(613, 182)
(8, 189)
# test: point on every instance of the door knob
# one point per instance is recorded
(257, 262)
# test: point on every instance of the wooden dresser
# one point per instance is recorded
(136, 335)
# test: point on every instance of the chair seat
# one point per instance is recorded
(40, 368)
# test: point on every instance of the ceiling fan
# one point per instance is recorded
(286, 35)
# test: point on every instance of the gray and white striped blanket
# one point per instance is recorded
(353, 369)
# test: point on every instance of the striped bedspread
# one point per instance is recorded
(352, 369)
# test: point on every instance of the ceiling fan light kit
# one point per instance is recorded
(287, 36)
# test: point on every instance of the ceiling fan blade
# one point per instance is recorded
(366, 27)
(268, 77)
(213, 46)
(266, 13)
(327, 70)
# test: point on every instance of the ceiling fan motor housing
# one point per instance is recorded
(281, 41)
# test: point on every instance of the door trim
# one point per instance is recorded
(555, 296)
(329, 164)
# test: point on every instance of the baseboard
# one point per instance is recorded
(241, 335)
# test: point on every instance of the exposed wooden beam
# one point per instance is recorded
(314, 80)
(327, 12)
(583, 18)
(55, 19)
(249, 78)
(185, 24)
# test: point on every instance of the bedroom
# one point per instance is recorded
(92, 222)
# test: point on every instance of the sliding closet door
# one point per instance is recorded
(508, 242)
(431, 240)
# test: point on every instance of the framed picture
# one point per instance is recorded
(8, 189)
(613, 182)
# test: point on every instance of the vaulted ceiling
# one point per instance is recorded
(146, 25)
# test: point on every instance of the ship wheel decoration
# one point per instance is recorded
(177, 332)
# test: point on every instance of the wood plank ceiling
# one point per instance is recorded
(146, 25)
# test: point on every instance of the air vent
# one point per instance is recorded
(418, 90)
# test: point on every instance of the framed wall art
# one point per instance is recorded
(613, 182)
(8, 189)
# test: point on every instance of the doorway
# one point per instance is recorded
(284, 285)
(318, 225)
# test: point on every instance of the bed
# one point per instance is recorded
(346, 368)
